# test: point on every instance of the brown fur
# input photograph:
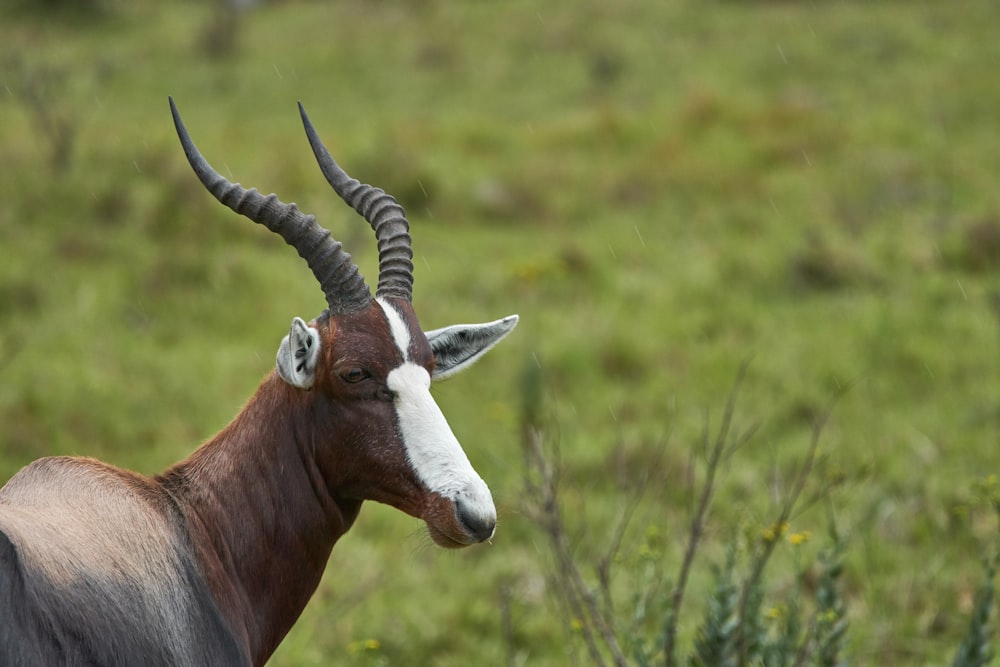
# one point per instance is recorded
(250, 517)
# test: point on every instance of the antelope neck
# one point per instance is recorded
(260, 516)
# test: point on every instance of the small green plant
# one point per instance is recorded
(975, 649)
(716, 640)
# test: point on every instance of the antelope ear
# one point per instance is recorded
(458, 347)
(297, 355)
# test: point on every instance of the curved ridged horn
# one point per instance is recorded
(342, 283)
(383, 213)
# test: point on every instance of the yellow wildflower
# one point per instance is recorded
(360, 645)
(775, 531)
(799, 538)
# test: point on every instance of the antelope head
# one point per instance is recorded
(365, 366)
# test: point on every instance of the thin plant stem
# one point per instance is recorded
(715, 454)
(768, 544)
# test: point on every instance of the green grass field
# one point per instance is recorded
(662, 190)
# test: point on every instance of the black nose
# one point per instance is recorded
(478, 524)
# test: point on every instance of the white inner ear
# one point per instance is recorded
(297, 355)
(459, 346)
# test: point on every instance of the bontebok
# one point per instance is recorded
(211, 562)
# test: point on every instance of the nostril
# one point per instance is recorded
(479, 525)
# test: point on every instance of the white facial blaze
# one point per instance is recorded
(432, 448)
(400, 332)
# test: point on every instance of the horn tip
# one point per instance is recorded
(305, 119)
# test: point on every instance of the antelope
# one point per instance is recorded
(212, 561)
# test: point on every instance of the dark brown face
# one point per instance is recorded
(371, 365)
(396, 446)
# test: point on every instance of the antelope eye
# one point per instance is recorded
(354, 375)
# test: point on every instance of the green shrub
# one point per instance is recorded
(744, 621)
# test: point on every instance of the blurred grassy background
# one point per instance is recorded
(660, 189)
